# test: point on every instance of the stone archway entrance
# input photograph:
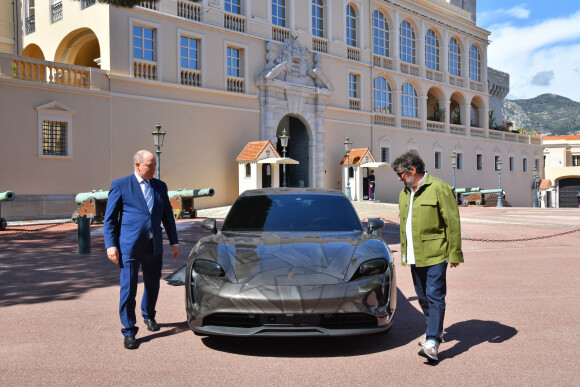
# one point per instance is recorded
(298, 145)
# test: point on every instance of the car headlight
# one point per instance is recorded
(372, 267)
(204, 266)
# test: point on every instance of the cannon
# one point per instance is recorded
(182, 201)
(7, 196)
(92, 205)
(475, 195)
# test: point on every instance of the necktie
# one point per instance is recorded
(148, 196)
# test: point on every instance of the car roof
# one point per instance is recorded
(281, 190)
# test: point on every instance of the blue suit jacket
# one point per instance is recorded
(128, 222)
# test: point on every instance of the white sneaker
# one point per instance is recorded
(422, 340)
(430, 350)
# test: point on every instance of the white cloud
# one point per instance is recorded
(551, 46)
(499, 14)
(519, 12)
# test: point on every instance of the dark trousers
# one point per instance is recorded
(431, 287)
(151, 267)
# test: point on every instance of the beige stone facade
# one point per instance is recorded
(217, 79)
(562, 168)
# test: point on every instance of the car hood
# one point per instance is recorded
(280, 259)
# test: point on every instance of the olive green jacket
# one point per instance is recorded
(436, 225)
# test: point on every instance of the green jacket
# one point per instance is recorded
(436, 225)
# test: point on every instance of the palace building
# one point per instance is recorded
(83, 85)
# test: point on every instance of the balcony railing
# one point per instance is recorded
(510, 136)
(87, 3)
(280, 34)
(477, 132)
(383, 62)
(409, 68)
(235, 84)
(384, 120)
(56, 12)
(535, 139)
(436, 126)
(477, 86)
(456, 81)
(34, 70)
(30, 24)
(190, 77)
(234, 22)
(319, 44)
(495, 134)
(457, 129)
(145, 69)
(433, 75)
(354, 103)
(411, 123)
(353, 53)
(149, 4)
(189, 10)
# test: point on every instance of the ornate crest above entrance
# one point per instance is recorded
(294, 84)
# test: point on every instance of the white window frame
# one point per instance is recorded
(432, 51)
(241, 13)
(283, 19)
(357, 26)
(200, 52)
(56, 111)
(406, 98)
(243, 62)
(157, 39)
(475, 64)
(359, 79)
(388, 92)
(386, 32)
(454, 58)
(324, 18)
(437, 160)
(413, 43)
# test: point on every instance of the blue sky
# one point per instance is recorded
(536, 42)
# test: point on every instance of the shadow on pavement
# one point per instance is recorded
(468, 334)
(407, 327)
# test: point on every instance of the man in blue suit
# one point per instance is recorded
(136, 207)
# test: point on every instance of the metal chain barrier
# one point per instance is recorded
(500, 240)
(36, 229)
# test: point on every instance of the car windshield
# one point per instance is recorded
(292, 212)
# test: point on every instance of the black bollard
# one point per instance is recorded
(84, 235)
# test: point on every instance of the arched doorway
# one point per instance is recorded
(297, 149)
(568, 192)
(81, 48)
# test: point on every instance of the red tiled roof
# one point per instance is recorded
(356, 156)
(545, 184)
(252, 151)
(569, 138)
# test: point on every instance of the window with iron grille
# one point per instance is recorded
(380, 34)
(459, 161)
(407, 42)
(437, 160)
(318, 18)
(55, 10)
(479, 162)
(279, 13)
(385, 154)
(432, 51)
(496, 160)
(54, 138)
(454, 58)
(576, 160)
(143, 43)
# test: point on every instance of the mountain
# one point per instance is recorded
(545, 114)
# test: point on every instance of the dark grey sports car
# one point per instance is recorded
(291, 262)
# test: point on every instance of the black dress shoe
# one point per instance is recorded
(151, 324)
(130, 342)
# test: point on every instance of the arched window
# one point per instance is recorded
(279, 13)
(380, 34)
(383, 97)
(350, 26)
(454, 58)
(409, 101)
(432, 51)
(248, 170)
(318, 18)
(474, 64)
(407, 42)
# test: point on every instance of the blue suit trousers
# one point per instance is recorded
(431, 287)
(151, 267)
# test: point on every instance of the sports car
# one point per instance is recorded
(290, 262)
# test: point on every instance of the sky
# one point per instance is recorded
(537, 42)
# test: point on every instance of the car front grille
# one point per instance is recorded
(328, 321)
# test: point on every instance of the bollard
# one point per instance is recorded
(84, 235)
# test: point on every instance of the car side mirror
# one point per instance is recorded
(375, 226)
(210, 224)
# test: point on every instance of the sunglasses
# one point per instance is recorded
(400, 174)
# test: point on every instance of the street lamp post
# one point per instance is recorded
(536, 176)
(284, 142)
(158, 137)
(347, 147)
(500, 194)
(454, 163)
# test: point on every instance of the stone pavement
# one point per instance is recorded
(511, 318)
